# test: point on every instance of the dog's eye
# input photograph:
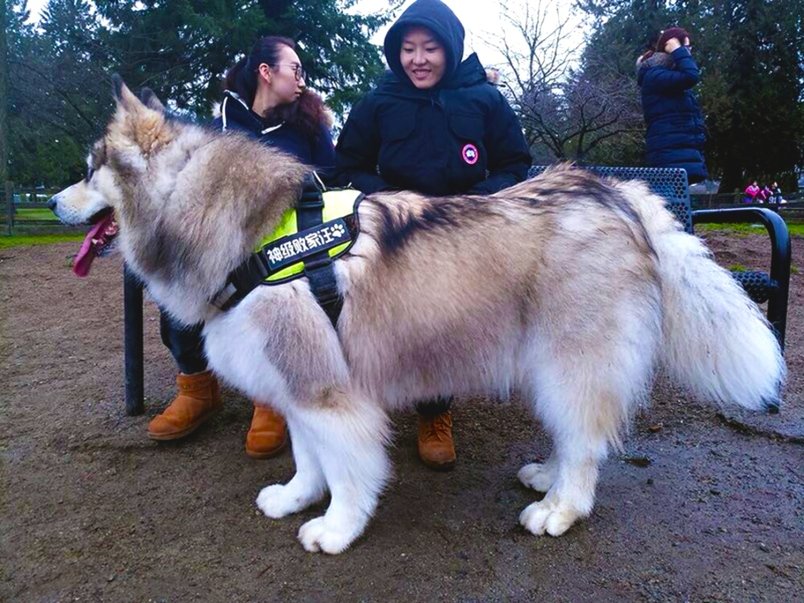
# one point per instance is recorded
(90, 172)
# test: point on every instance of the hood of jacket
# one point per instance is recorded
(234, 111)
(469, 73)
(657, 59)
(435, 16)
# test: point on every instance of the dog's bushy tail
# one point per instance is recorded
(715, 340)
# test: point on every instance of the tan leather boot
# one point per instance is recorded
(198, 399)
(268, 434)
(436, 447)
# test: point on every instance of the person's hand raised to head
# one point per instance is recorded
(671, 45)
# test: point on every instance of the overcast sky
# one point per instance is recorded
(483, 24)
(480, 18)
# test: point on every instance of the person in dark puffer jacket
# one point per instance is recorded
(265, 98)
(456, 135)
(675, 126)
(436, 126)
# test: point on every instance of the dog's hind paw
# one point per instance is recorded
(539, 476)
(544, 516)
(318, 536)
(278, 501)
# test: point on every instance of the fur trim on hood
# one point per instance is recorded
(657, 59)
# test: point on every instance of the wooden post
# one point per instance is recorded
(9, 208)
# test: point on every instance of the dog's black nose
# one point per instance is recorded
(52, 203)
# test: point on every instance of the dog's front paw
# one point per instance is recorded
(278, 501)
(318, 535)
(539, 476)
(547, 516)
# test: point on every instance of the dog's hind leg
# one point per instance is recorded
(571, 491)
(584, 401)
(349, 438)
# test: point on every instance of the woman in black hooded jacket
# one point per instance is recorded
(436, 126)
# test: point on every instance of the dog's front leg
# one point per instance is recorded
(350, 439)
(308, 485)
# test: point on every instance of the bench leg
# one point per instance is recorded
(132, 324)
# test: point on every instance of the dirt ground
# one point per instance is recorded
(700, 507)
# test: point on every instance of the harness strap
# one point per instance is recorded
(318, 268)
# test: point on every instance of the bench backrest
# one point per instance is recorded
(669, 183)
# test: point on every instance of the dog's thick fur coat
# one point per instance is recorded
(570, 289)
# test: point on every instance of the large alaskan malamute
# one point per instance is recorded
(568, 288)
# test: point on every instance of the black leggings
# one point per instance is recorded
(431, 408)
(186, 344)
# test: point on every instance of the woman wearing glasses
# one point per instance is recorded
(675, 126)
(265, 97)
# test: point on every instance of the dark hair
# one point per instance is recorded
(664, 37)
(668, 34)
(308, 112)
(242, 76)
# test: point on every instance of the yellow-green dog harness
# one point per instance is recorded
(321, 228)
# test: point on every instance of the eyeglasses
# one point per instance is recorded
(298, 71)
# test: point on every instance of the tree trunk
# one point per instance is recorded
(3, 99)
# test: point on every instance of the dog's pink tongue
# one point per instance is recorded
(87, 253)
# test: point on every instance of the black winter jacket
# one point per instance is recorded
(675, 127)
(460, 136)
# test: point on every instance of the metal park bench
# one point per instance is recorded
(671, 184)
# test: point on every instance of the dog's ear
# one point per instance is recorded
(151, 101)
(124, 97)
(117, 86)
(139, 128)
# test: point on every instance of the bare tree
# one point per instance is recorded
(566, 114)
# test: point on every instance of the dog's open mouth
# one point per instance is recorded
(98, 242)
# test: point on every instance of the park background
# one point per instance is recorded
(567, 68)
(701, 505)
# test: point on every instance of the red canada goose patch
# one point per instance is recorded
(470, 154)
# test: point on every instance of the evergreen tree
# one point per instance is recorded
(58, 92)
(3, 101)
(182, 49)
(59, 71)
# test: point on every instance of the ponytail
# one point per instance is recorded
(241, 78)
(242, 81)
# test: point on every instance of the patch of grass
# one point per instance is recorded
(738, 268)
(43, 239)
(37, 213)
(796, 229)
